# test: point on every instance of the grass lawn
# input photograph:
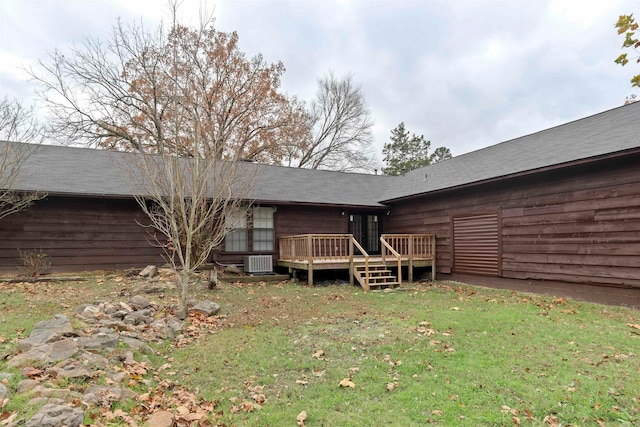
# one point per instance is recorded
(445, 354)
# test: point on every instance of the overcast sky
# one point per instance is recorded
(465, 74)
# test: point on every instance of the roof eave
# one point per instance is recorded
(579, 162)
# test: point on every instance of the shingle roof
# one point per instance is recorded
(83, 171)
(604, 133)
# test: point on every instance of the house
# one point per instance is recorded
(560, 205)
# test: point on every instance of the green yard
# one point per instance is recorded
(445, 354)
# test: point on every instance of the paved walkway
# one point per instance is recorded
(626, 297)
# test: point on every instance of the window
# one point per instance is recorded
(262, 229)
(236, 238)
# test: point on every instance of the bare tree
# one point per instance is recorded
(17, 126)
(118, 94)
(341, 125)
(189, 201)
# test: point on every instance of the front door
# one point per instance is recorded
(366, 229)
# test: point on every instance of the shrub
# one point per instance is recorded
(34, 262)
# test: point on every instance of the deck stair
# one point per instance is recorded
(379, 277)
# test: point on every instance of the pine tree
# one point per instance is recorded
(408, 152)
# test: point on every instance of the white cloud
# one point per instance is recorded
(463, 73)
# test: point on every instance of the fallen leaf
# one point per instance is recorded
(456, 308)
(633, 325)
(301, 418)
(346, 382)
(9, 419)
(516, 421)
(319, 372)
(437, 412)
(318, 354)
(301, 382)
(551, 420)
(391, 386)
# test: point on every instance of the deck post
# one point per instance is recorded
(351, 272)
(411, 242)
(433, 259)
(310, 259)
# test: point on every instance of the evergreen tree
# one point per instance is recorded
(408, 152)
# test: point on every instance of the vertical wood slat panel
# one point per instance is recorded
(476, 244)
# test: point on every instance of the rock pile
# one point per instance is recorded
(99, 350)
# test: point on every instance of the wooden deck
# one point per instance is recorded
(311, 252)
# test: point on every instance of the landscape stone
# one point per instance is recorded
(160, 419)
(102, 396)
(26, 385)
(91, 314)
(208, 308)
(117, 377)
(149, 271)
(52, 415)
(93, 361)
(4, 392)
(69, 372)
(46, 353)
(139, 302)
(37, 401)
(136, 344)
(99, 341)
(59, 393)
(47, 331)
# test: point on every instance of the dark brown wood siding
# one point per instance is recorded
(291, 220)
(79, 234)
(579, 224)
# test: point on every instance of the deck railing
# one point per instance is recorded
(411, 246)
(315, 247)
(387, 247)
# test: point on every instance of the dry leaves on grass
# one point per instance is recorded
(346, 382)
(301, 418)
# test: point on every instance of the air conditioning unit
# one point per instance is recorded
(258, 264)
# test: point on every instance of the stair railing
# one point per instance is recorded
(355, 243)
(395, 254)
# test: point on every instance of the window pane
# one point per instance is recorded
(263, 217)
(262, 239)
(236, 241)
(236, 218)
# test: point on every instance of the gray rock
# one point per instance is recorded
(37, 401)
(118, 377)
(79, 309)
(26, 385)
(69, 372)
(99, 341)
(139, 317)
(46, 354)
(4, 392)
(139, 302)
(47, 331)
(136, 344)
(58, 393)
(149, 271)
(102, 395)
(92, 360)
(91, 314)
(208, 308)
(52, 415)
(175, 326)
